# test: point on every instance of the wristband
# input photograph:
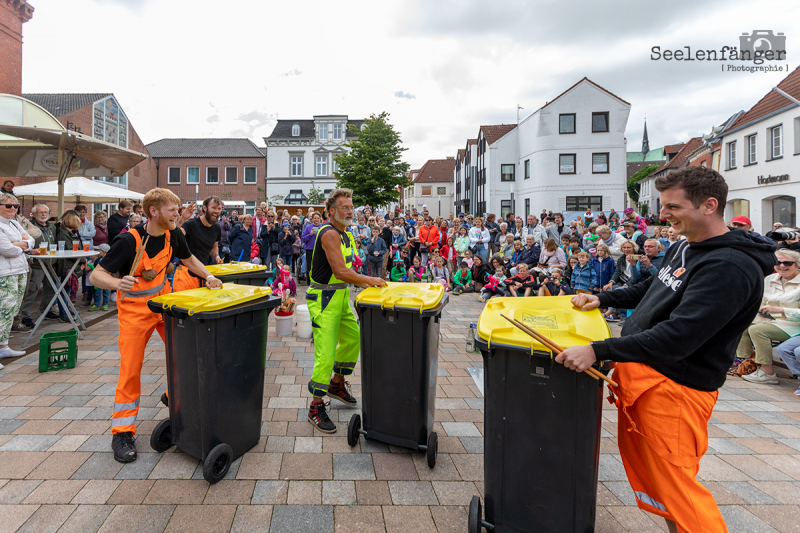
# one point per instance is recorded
(209, 277)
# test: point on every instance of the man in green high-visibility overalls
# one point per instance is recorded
(336, 335)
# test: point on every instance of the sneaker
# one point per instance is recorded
(483, 298)
(28, 322)
(105, 308)
(8, 352)
(165, 399)
(64, 318)
(51, 315)
(759, 376)
(319, 418)
(612, 318)
(94, 308)
(124, 447)
(341, 391)
(1, 367)
(796, 393)
(19, 326)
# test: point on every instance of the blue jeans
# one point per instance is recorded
(789, 351)
(482, 251)
(65, 295)
(287, 260)
(100, 294)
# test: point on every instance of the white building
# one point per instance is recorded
(570, 155)
(760, 158)
(431, 188)
(465, 174)
(300, 154)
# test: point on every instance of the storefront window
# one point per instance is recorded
(783, 211)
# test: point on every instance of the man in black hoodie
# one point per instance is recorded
(677, 346)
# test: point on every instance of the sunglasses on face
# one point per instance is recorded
(786, 263)
(11, 206)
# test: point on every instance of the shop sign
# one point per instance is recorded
(772, 179)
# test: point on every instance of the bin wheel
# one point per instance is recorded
(433, 449)
(352, 430)
(474, 519)
(217, 463)
(161, 438)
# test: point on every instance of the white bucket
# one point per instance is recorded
(303, 322)
(283, 325)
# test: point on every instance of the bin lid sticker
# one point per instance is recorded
(420, 296)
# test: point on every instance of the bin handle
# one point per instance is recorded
(395, 299)
(501, 330)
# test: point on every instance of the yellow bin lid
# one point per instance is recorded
(204, 299)
(234, 267)
(553, 316)
(418, 296)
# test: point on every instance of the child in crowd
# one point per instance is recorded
(462, 244)
(603, 264)
(572, 262)
(574, 246)
(284, 277)
(584, 276)
(297, 248)
(495, 285)
(462, 281)
(555, 285)
(398, 270)
(375, 252)
(440, 273)
(416, 271)
(98, 293)
(565, 244)
(363, 256)
(449, 254)
(522, 283)
(467, 258)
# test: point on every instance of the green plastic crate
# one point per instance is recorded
(56, 358)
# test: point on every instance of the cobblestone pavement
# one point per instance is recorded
(57, 472)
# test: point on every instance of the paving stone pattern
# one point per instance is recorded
(57, 472)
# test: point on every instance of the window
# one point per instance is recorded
(505, 208)
(212, 174)
(527, 207)
(322, 165)
(335, 165)
(506, 172)
(776, 140)
(337, 132)
(582, 203)
(249, 174)
(296, 130)
(527, 169)
(751, 150)
(566, 164)
(732, 154)
(296, 197)
(783, 211)
(123, 180)
(249, 207)
(797, 136)
(193, 175)
(323, 132)
(297, 165)
(231, 175)
(426, 190)
(174, 175)
(600, 163)
(599, 122)
(566, 123)
(441, 190)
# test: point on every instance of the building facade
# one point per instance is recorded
(465, 175)
(194, 169)
(431, 188)
(301, 154)
(569, 156)
(13, 14)
(760, 158)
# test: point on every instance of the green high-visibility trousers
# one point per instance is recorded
(336, 337)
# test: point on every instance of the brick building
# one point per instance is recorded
(13, 14)
(233, 169)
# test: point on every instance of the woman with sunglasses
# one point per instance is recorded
(778, 319)
(13, 269)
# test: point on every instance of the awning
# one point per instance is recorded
(233, 203)
(77, 190)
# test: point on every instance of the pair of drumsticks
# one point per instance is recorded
(136, 260)
(596, 374)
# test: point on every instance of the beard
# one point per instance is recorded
(345, 220)
(210, 217)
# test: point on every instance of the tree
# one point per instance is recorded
(316, 196)
(373, 167)
(276, 199)
(633, 181)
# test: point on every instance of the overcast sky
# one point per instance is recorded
(441, 68)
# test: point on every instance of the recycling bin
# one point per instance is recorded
(216, 343)
(541, 420)
(399, 363)
(241, 273)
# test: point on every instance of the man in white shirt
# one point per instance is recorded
(535, 229)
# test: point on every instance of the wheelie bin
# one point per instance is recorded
(399, 363)
(241, 273)
(216, 342)
(542, 420)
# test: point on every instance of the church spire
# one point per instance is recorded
(645, 141)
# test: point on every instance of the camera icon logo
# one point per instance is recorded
(762, 41)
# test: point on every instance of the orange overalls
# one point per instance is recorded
(663, 434)
(136, 325)
(183, 280)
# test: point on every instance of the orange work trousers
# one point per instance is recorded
(663, 434)
(183, 280)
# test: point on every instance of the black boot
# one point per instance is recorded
(319, 418)
(124, 447)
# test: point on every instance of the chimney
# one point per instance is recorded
(13, 14)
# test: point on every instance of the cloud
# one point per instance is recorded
(131, 5)
(213, 118)
(407, 96)
(295, 72)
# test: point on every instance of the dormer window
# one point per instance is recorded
(296, 130)
(323, 132)
(337, 132)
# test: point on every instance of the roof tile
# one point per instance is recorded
(60, 104)
(436, 170)
(283, 129)
(679, 158)
(492, 134)
(203, 148)
(773, 100)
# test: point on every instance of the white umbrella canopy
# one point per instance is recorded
(77, 190)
